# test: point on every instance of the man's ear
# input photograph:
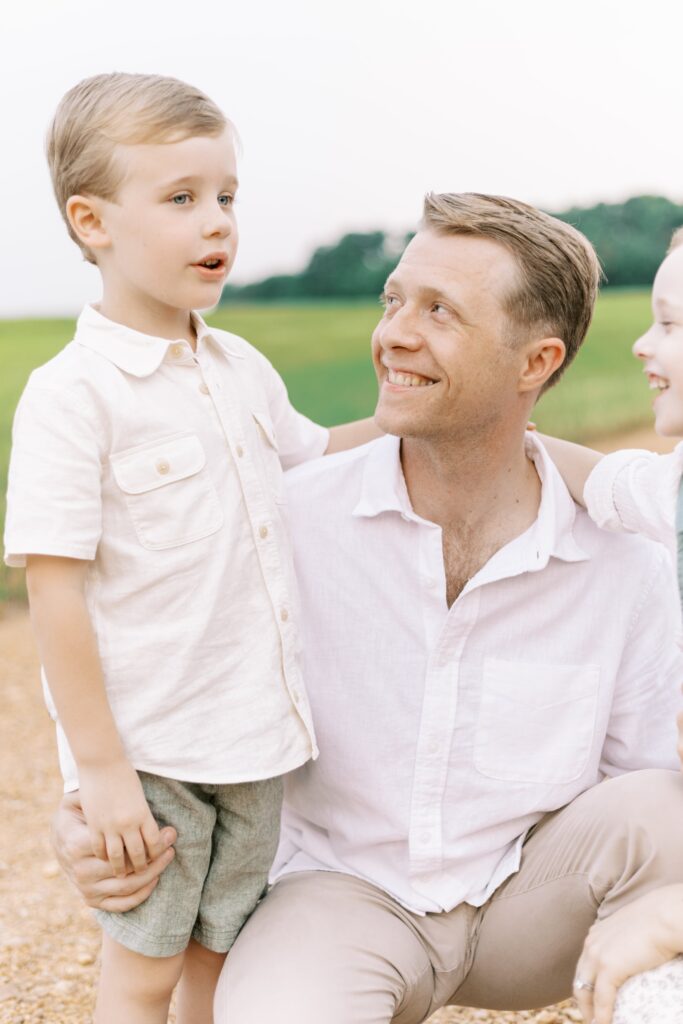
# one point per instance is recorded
(84, 214)
(541, 358)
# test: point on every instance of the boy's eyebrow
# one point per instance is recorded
(191, 179)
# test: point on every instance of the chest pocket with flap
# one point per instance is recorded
(169, 493)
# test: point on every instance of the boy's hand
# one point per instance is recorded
(93, 878)
(119, 819)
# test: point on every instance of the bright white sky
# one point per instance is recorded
(349, 112)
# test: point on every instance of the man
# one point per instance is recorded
(479, 656)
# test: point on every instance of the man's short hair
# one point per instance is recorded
(676, 240)
(559, 271)
(119, 109)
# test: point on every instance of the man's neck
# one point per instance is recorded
(482, 493)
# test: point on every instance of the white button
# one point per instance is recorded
(240, 451)
(429, 581)
(263, 532)
(425, 838)
(204, 388)
(177, 351)
(284, 614)
(163, 467)
(433, 748)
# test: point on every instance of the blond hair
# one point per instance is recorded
(676, 240)
(559, 271)
(119, 109)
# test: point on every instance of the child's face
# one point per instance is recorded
(173, 212)
(661, 348)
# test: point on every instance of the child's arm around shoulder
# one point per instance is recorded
(574, 462)
(350, 435)
(115, 808)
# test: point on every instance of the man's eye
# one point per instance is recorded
(181, 199)
(226, 199)
(438, 307)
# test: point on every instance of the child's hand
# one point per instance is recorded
(118, 817)
(637, 938)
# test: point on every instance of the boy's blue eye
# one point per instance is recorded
(180, 199)
(226, 200)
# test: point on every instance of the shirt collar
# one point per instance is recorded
(133, 352)
(383, 489)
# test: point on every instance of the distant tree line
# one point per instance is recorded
(630, 238)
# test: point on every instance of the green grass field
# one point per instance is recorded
(322, 351)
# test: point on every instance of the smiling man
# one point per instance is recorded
(479, 655)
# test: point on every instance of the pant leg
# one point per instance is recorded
(612, 844)
(324, 946)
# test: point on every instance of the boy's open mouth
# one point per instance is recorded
(211, 263)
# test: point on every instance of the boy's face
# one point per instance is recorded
(171, 232)
(661, 348)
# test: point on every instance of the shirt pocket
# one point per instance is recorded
(536, 721)
(269, 455)
(169, 493)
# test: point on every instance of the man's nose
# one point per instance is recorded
(401, 330)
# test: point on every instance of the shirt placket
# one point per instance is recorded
(446, 633)
(227, 403)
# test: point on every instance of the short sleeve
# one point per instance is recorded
(298, 438)
(54, 503)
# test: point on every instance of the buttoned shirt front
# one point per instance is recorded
(162, 467)
(445, 734)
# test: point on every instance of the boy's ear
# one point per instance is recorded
(85, 217)
(541, 358)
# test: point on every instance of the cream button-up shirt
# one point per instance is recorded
(163, 468)
(446, 733)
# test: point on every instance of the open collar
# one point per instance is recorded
(551, 535)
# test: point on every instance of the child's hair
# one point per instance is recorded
(119, 109)
(676, 240)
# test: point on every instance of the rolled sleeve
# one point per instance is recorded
(298, 438)
(54, 504)
(635, 491)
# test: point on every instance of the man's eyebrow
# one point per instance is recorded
(427, 293)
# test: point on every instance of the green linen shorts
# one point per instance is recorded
(227, 837)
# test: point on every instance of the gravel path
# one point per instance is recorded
(48, 942)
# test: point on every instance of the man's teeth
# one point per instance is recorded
(658, 383)
(408, 380)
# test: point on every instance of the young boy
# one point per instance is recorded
(146, 501)
(636, 490)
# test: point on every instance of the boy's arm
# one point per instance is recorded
(116, 811)
(350, 435)
(574, 462)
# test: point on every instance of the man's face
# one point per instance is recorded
(443, 360)
(661, 348)
(172, 229)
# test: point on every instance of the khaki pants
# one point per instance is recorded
(328, 948)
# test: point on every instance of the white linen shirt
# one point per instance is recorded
(636, 491)
(445, 734)
(162, 468)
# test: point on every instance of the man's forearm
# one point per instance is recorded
(350, 435)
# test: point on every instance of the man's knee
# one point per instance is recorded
(651, 799)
